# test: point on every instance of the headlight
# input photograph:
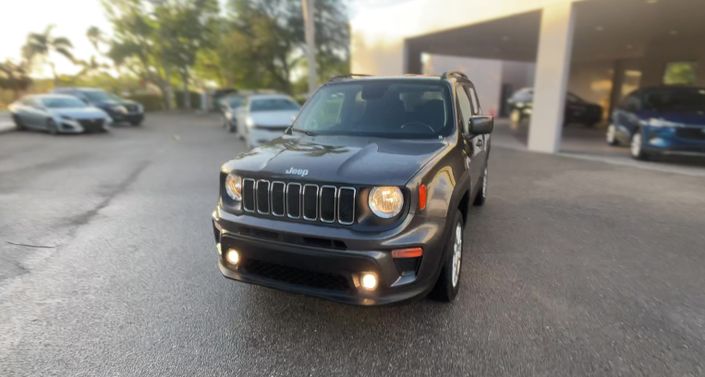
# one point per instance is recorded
(249, 122)
(119, 109)
(233, 187)
(656, 122)
(386, 201)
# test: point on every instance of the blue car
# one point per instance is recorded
(660, 121)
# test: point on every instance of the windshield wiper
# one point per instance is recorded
(305, 132)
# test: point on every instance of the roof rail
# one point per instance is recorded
(448, 74)
(348, 76)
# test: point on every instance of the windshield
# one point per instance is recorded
(382, 108)
(99, 95)
(272, 104)
(62, 102)
(235, 102)
(675, 100)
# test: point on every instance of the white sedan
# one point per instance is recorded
(265, 117)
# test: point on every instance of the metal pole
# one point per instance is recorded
(310, 33)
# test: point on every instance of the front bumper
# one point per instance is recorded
(125, 117)
(674, 141)
(326, 261)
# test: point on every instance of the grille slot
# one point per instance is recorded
(310, 202)
(277, 198)
(262, 196)
(248, 193)
(293, 200)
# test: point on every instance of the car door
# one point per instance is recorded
(472, 144)
(575, 108)
(36, 115)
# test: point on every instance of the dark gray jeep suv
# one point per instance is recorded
(363, 199)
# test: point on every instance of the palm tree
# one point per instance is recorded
(42, 45)
(96, 37)
(14, 77)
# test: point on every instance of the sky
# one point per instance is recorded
(71, 17)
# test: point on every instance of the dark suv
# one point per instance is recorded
(364, 198)
(119, 109)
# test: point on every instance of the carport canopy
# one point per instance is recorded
(648, 33)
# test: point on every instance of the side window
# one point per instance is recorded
(464, 107)
(632, 102)
(474, 100)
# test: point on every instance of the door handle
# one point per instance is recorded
(478, 142)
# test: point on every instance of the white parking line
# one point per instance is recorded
(693, 171)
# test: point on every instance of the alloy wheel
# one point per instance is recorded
(636, 145)
(457, 254)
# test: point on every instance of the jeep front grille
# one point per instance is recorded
(310, 202)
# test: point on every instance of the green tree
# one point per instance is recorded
(41, 46)
(184, 28)
(260, 44)
(159, 40)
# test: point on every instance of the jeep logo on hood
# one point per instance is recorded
(294, 171)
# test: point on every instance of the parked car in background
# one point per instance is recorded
(264, 117)
(364, 199)
(119, 109)
(660, 121)
(219, 95)
(57, 113)
(228, 107)
(577, 110)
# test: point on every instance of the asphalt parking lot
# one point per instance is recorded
(107, 267)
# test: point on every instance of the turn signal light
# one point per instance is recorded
(422, 196)
(410, 252)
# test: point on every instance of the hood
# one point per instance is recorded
(338, 159)
(273, 119)
(690, 118)
(80, 112)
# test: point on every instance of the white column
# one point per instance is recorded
(552, 69)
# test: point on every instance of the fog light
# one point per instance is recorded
(657, 141)
(368, 281)
(232, 256)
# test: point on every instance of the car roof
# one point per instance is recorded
(51, 95)
(269, 96)
(415, 77)
(79, 89)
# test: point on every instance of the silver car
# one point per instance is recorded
(264, 117)
(58, 113)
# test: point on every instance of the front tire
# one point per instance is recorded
(52, 127)
(448, 283)
(637, 147)
(611, 135)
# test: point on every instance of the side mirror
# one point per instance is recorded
(480, 124)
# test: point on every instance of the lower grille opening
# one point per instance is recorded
(295, 276)
(258, 233)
